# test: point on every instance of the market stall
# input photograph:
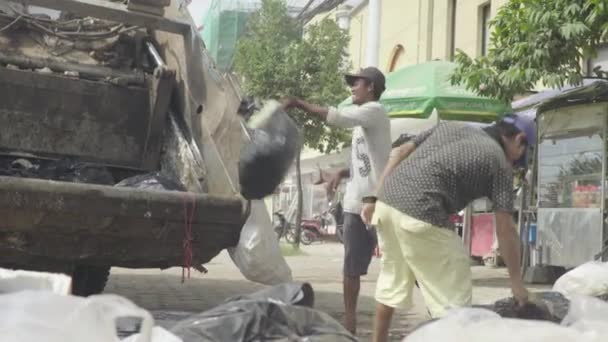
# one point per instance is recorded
(564, 223)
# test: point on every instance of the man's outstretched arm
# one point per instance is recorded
(307, 107)
(353, 116)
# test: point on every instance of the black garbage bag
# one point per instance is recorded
(266, 159)
(152, 181)
(71, 170)
(544, 306)
(267, 315)
(293, 293)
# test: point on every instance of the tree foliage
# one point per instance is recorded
(278, 58)
(536, 41)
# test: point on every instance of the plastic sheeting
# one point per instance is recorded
(181, 159)
(151, 181)
(269, 315)
(556, 229)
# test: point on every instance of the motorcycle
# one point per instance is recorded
(282, 228)
(318, 228)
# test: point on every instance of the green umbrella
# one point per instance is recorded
(414, 91)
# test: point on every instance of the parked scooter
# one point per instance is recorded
(317, 229)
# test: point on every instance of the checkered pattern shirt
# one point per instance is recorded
(452, 165)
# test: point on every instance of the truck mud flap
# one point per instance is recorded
(101, 225)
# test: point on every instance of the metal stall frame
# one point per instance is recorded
(594, 94)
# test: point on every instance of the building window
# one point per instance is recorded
(600, 60)
(397, 57)
(452, 5)
(484, 15)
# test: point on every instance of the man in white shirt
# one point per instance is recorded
(371, 147)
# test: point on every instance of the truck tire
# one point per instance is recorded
(89, 280)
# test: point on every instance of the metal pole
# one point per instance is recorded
(466, 228)
(158, 60)
(603, 188)
(373, 32)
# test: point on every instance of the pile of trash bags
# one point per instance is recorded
(575, 310)
(75, 171)
(66, 170)
(281, 313)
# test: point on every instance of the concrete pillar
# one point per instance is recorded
(373, 33)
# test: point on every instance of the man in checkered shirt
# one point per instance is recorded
(446, 168)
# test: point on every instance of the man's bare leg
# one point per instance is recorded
(382, 322)
(351, 294)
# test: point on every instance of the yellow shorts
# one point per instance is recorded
(414, 250)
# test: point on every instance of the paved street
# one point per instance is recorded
(163, 293)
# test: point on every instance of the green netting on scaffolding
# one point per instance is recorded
(223, 24)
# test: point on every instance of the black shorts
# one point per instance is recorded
(359, 244)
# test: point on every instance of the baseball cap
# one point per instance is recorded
(371, 74)
(526, 125)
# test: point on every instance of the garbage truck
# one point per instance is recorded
(119, 140)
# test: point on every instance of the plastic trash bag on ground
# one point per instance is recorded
(263, 316)
(465, 325)
(589, 279)
(265, 161)
(586, 308)
(289, 293)
(19, 280)
(258, 255)
(33, 316)
(152, 181)
(589, 316)
(158, 335)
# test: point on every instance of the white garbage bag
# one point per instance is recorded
(589, 279)
(258, 255)
(495, 330)
(585, 308)
(588, 315)
(34, 316)
(159, 334)
(586, 322)
(19, 280)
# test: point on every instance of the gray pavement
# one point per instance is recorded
(163, 293)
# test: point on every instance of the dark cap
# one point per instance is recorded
(527, 126)
(371, 74)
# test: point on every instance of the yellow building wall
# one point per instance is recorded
(416, 31)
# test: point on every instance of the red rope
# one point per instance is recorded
(189, 206)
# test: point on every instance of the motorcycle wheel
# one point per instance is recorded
(307, 237)
(290, 235)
